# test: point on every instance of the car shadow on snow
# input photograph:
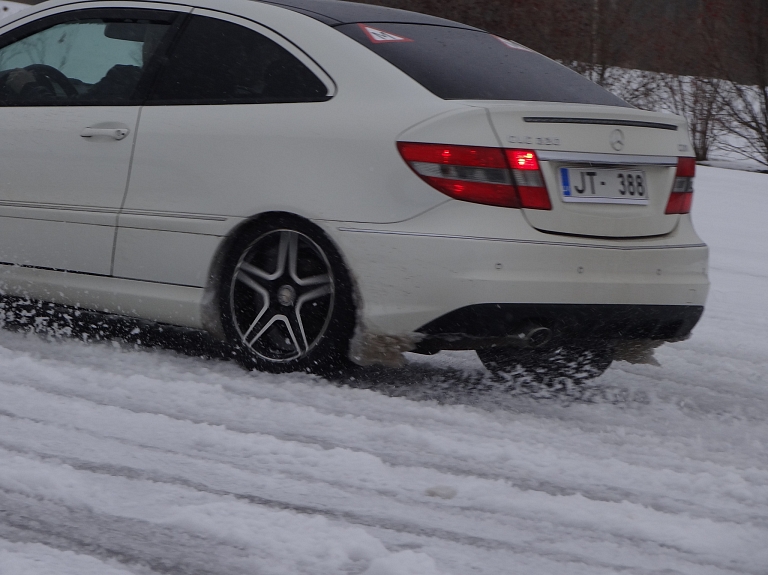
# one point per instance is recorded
(417, 380)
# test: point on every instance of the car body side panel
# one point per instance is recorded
(465, 126)
(61, 192)
(321, 160)
(276, 156)
(173, 304)
(167, 257)
(43, 240)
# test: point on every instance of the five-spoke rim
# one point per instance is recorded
(282, 295)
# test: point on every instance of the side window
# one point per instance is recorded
(79, 62)
(218, 62)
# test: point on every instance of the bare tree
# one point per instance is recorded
(747, 121)
(741, 28)
(611, 39)
(689, 85)
(702, 102)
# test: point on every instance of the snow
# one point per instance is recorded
(120, 460)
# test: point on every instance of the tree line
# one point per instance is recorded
(704, 59)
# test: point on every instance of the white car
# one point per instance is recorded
(319, 181)
(8, 8)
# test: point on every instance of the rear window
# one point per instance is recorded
(461, 64)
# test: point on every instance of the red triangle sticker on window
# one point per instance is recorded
(380, 36)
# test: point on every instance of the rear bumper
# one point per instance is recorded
(415, 275)
(488, 325)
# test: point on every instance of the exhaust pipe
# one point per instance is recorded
(528, 335)
(532, 336)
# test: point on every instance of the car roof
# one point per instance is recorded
(338, 12)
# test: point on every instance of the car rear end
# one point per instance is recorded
(571, 212)
(596, 245)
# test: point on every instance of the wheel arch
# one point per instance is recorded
(211, 313)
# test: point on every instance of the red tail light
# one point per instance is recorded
(682, 191)
(479, 174)
(524, 160)
(529, 180)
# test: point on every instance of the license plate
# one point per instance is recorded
(604, 186)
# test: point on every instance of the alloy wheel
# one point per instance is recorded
(282, 296)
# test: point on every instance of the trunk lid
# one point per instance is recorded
(585, 149)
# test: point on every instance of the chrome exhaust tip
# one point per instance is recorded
(538, 336)
(532, 336)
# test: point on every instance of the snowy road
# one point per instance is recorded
(115, 460)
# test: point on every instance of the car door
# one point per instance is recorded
(70, 89)
(230, 107)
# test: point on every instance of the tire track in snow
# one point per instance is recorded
(520, 482)
(127, 537)
(372, 521)
(185, 417)
(142, 474)
(128, 541)
(394, 456)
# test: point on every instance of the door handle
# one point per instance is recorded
(115, 133)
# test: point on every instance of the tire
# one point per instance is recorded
(285, 299)
(575, 363)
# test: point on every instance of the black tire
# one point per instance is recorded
(285, 299)
(575, 363)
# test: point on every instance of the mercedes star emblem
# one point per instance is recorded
(617, 140)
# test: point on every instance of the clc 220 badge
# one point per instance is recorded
(530, 141)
